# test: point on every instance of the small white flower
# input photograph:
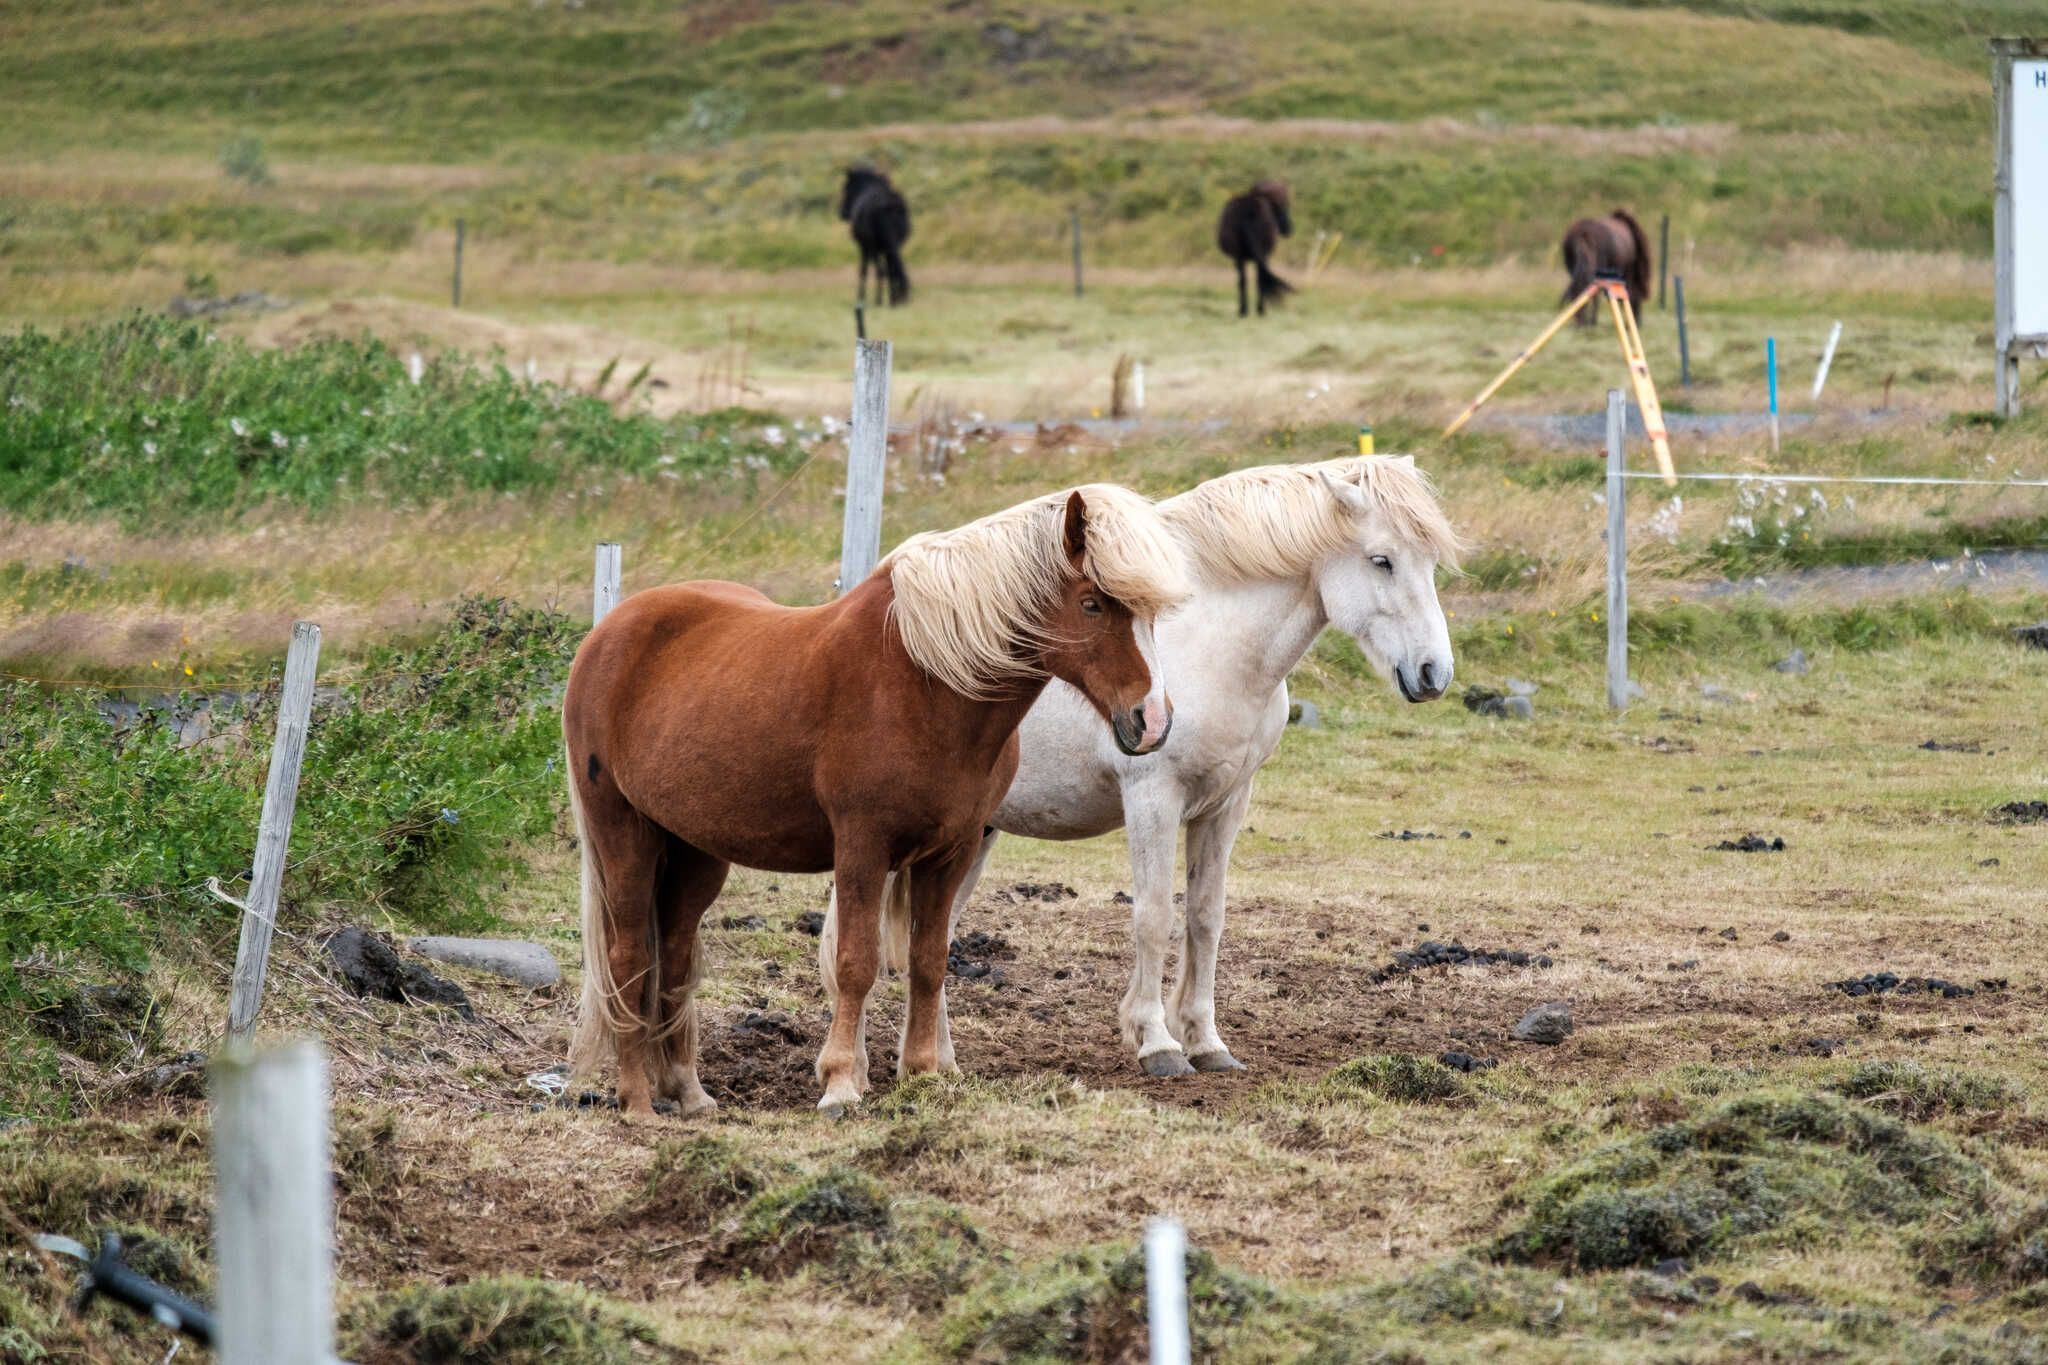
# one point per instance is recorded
(236, 425)
(773, 436)
(149, 448)
(277, 438)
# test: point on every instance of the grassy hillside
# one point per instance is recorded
(621, 130)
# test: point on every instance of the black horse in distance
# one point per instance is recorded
(1251, 227)
(880, 220)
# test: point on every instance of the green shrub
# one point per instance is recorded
(1402, 1078)
(150, 418)
(503, 1319)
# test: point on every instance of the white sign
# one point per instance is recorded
(2030, 199)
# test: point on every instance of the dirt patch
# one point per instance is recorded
(1431, 953)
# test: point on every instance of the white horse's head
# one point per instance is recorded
(1379, 587)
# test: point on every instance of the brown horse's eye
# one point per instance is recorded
(1091, 606)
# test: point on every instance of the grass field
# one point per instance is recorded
(1730, 1159)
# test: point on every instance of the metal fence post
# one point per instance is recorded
(1617, 553)
(273, 1207)
(867, 459)
(1075, 221)
(456, 291)
(604, 583)
(274, 834)
(1684, 347)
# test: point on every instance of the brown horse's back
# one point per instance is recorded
(1614, 244)
(659, 678)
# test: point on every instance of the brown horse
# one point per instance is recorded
(1614, 245)
(1251, 227)
(707, 726)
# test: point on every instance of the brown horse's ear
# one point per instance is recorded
(1076, 538)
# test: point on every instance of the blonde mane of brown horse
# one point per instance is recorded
(969, 601)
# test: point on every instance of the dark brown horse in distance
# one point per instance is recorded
(880, 220)
(1614, 245)
(1251, 227)
(707, 726)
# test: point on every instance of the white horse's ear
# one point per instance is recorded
(1349, 494)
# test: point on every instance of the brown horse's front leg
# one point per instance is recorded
(1243, 303)
(857, 878)
(932, 888)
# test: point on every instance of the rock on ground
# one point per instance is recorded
(1548, 1024)
(1795, 662)
(527, 963)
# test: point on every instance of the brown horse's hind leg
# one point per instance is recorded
(1243, 303)
(690, 882)
(857, 878)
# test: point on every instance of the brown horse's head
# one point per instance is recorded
(1103, 647)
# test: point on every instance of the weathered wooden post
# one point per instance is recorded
(457, 291)
(274, 833)
(1617, 552)
(604, 583)
(1076, 222)
(867, 460)
(1684, 349)
(1166, 1290)
(273, 1206)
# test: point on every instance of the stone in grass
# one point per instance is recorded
(1795, 662)
(529, 964)
(1486, 701)
(1304, 714)
(1548, 1024)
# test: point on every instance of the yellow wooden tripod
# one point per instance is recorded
(1616, 295)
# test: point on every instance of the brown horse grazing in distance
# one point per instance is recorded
(707, 726)
(1614, 245)
(1251, 227)
(879, 218)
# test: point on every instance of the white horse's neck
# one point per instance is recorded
(1255, 631)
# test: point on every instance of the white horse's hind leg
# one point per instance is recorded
(828, 949)
(1152, 826)
(1194, 989)
(988, 842)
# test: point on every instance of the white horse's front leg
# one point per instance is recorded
(1153, 827)
(1194, 989)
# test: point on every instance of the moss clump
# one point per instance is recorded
(844, 1227)
(691, 1180)
(1917, 1091)
(1090, 1305)
(1749, 1166)
(2001, 1249)
(1403, 1078)
(506, 1319)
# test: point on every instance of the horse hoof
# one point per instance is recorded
(1165, 1065)
(1216, 1061)
(700, 1107)
(637, 1114)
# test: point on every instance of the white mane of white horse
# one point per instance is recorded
(1278, 553)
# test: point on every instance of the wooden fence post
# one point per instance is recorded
(1617, 553)
(1684, 349)
(604, 583)
(867, 459)
(274, 834)
(1166, 1290)
(457, 291)
(273, 1206)
(1076, 222)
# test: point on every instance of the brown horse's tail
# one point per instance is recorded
(1271, 287)
(1638, 274)
(602, 1016)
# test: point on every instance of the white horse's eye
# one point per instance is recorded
(1382, 562)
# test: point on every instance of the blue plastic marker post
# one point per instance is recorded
(1771, 364)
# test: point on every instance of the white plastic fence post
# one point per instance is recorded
(604, 583)
(1617, 553)
(867, 458)
(1166, 1290)
(1138, 388)
(1827, 358)
(273, 1206)
(274, 833)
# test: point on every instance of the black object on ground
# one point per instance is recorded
(2023, 812)
(370, 966)
(106, 1273)
(1888, 983)
(1454, 954)
(1750, 843)
(1466, 1062)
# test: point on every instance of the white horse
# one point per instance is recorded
(1279, 552)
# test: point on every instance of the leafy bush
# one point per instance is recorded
(243, 160)
(151, 418)
(415, 781)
